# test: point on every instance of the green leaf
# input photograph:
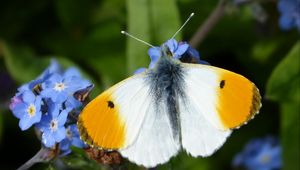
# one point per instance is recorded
(165, 20)
(149, 20)
(138, 24)
(290, 134)
(79, 161)
(283, 86)
(22, 64)
(74, 14)
(264, 50)
(110, 68)
(185, 161)
(285, 78)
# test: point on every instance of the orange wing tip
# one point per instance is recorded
(87, 139)
(255, 107)
(84, 136)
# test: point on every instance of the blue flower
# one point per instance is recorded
(181, 51)
(54, 67)
(72, 139)
(15, 101)
(177, 50)
(26, 107)
(290, 14)
(260, 154)
(52, 125)
(61, 88)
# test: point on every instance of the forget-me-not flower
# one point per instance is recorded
(27, 108)
(289, 14)
(60, 88)
(47, 102)
(52, 125)
(181, 51)
(260, 154)
(72, 139)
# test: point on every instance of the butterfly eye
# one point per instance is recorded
(222, 84)
(110, 104)
(169, 53)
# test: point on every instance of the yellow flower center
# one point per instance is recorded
(31, 110)
(59, 86)
(265, 159)
(54, 125)
(69, 133)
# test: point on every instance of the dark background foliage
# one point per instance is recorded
(86, 33)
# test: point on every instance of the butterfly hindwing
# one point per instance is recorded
(113, 119)
(155, 143)
(199, 136)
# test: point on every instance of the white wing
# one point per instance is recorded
(216, 101)
(114, 118)
(201, 129)
(155, 143)
(135, 126)
(198, 136)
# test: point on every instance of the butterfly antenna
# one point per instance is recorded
(126, 33)
(186, 21)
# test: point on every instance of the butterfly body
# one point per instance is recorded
(150, 116)
(166, 86)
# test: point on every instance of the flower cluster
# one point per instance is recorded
(260, 154)
(49, 104)
(181, 51)
(289, 14)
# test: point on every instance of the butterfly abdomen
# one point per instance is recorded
(167, 85)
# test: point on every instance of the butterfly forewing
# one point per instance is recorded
(226, 99)
(113, 119)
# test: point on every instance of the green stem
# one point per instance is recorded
(43, 155)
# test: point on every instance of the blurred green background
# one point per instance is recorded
(86, 34)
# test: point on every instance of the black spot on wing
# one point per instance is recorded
(222, 84)
(110, 104)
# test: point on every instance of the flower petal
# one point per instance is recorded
(44, 124)
(38, 103)
(285, 6)
(53, 110)
(19, 110)
(48, 93)
(182, 48)
(48, 139)
(172, 44)
(37, 117)
(65, 144)
(62, 118)
(154, 53)
(28, 97)
(54, 67)
(59, 134)
(72, 72)
(71, 102)
(60, 97)
(77, 142)
(25, 122)
(286, 22)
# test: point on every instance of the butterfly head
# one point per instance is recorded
(165, 51)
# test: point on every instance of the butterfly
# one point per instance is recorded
(149, 117)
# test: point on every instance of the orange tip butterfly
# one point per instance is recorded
(150, 116)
